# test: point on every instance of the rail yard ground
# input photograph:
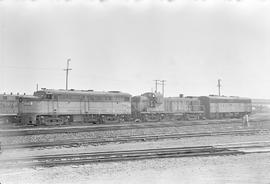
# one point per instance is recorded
(207, 170)
(232, 168)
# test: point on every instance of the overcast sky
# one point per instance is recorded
(126, 45)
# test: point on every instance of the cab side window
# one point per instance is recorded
(49, 96)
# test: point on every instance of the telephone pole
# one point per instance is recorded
(219, 86)
(162, 83)
(156, 83)
(159, 82)
(67, 70)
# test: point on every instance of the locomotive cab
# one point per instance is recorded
(44, 95)
(148, 106)
(154, 99)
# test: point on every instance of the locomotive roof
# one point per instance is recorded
(8, 96)
(28, 96)
(186, 98)
(4, 94)
(17, 96)
(226, 97)
(84, 92)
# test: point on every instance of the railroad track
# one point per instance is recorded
(112, 156)
(124, 139)
(94, 128)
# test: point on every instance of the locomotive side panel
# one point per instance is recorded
(225, 107)
(229, 107)
(8, 108)
(184, 108)
(109, 108)
(105, 103)
(34, 106)
(182, 105)
(8, 105)
(204, 101)
(67, 106)
(176, 105)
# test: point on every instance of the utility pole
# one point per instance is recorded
(159, 82)
(162, 83)
(219, 86)
(37, 86)
(67, 70)
(156, 83)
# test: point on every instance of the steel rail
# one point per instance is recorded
(84, 158)
(106, 140)
(91, 128)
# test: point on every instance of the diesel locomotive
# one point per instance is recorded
(153, 107)
(50, 107)
(218, 107)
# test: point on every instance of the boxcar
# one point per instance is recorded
(217, 107)
(49, 106)
(8, 107)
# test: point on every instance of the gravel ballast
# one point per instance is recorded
(130, 132)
